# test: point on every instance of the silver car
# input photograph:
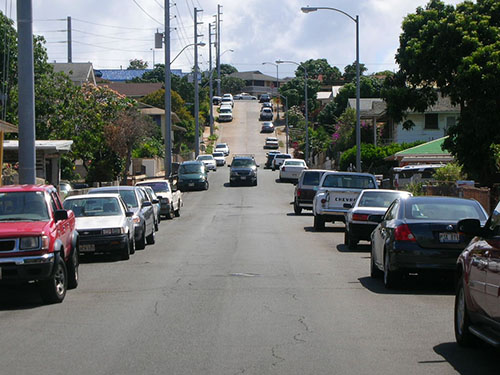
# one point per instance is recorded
(104, 224)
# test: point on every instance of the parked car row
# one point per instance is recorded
(421, 235)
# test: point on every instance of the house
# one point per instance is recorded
(257, 83)
(133, 90)
(124, 75)
(427, 153)
(79, 73)
(325, 97)
(427, 126)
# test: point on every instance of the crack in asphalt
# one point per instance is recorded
(156, 309)
(279, 359)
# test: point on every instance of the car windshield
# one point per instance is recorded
(218, 154)
(205, 157)
(23, 206)
(243, 163)
(225, 110)
(158, 186)
(190, 168)
(378, 199)
(295, 162)
(349, 181)
(220, 145)
(128, 196)
(283, 156)
(312, 178)
(85, 207)
(452, 210)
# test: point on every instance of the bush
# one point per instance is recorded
(451, 172)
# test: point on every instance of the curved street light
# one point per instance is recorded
(277, 86)
(358, 129)
(305, 103)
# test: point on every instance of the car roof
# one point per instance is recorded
(107, 188)
(153, 180)
(192, 162)
(23, 188)
(93, 196)
(350, 173)
(283, 155)
(296, 160)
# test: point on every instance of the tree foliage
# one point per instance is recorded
(136, 64)
(227, 69)
(350, 71)
(453, 51)
(320, 70)
(232, 85)
(294, 91)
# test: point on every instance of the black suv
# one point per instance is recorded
(243, 170)
(264, 98)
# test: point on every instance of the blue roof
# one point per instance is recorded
(122, 75)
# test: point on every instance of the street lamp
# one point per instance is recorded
(358, 128)
(277, 86)
(306, 105)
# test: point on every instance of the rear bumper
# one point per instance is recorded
(361, 231)
(23, 269)
(105, 244)
(409, 256)
(185, 186)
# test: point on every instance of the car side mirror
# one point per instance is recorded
(156, 201)
(60, 215)
(347, 205)
(229, 165)
(129, 214)
(147, 204)
(258, 165)
(470, 227)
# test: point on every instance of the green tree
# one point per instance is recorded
(350, 71)
(227, 69)
(136, 64)
(157, 74)
(451, 172)
(319, 69)
(294, 91)
(453, 52)
(370, 87)
(232, 85)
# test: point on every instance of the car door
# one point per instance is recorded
(62, 226)
(492, 285)
(147, 211)
(381, 233)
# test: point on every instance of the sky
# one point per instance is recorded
(109, 33)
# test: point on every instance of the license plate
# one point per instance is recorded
(191, 184)
(243, 178)
(449, 237)
(87, 248)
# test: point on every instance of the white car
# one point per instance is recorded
(291, 168)
(225, 113)
(104, 224)
(271, 142)
(244, 96)
(223, 147)
(170, 197)
(209, 162)
(227, 100)
(220, 158)
(279, 159)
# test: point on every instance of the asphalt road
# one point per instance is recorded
(238, 284)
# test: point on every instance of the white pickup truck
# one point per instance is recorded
(334, 191)
(170, 197)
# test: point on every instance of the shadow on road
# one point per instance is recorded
(228, 185)
(303, 214)
(411, 285)
(101, 258)
(326, 230)
(469, 361)
(359, 249)
(19, 297)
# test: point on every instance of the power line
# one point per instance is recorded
(111, 37)
(159, 4)
(109, 49)
(114, 26)
(146, 13)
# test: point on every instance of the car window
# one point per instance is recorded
(190, 168)
(23, 206)
(128, 197)
(494, 223)
(243, 163)
(349, 181)
(295, 162)
(451, 210)
(392, 211)
(312, 178)
(158, 186)
(86, 207)
(377, 199)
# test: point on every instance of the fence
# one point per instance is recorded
(482, 195)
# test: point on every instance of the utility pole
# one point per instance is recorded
(210, 72)
(70, 52)
(27, 154)
(168, 94)
(219, 12)
(196, 88)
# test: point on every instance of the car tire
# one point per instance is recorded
(54, 289)
(150, 240)
(141, 244)
(73, 264)
(349, 241)
(206, 186)
(319, 223)
(132, 245)
(125, 251)
(231, 183)
(273, 168)
(255, 183)
(461, 318)
(391, 278)
(156, 225)
(170, 214)
(296, 208)
(177, 212)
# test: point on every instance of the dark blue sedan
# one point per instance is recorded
(417, 234)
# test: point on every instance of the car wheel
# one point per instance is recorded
(177, 212)
(206, 186)
(141, 244)
(73, 264)
(273, 168)
(132, 245)
(170, 213)
(296, 208)
(231, 183)
(461, 318)
(125, 251)
(255, 183)
(53, 290)
(349, 241)
(150, 240)
(319, 223)
(391, 278)
(156, 225)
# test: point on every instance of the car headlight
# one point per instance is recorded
(234, 173)
(111, 231)
(164, 200)
(29, 243)
(136, 219)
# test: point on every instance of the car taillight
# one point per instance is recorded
(323, 201)
(360, 217)
(403, 233)
(299, 192)
(283, 168)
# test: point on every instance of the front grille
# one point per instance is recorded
(92, 232)
(243, 173)
(7, 245)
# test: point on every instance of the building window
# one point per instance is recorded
(258, 83)
(431, 121)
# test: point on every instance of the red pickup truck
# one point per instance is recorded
(38, 240)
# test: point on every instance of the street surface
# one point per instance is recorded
(238, 285)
